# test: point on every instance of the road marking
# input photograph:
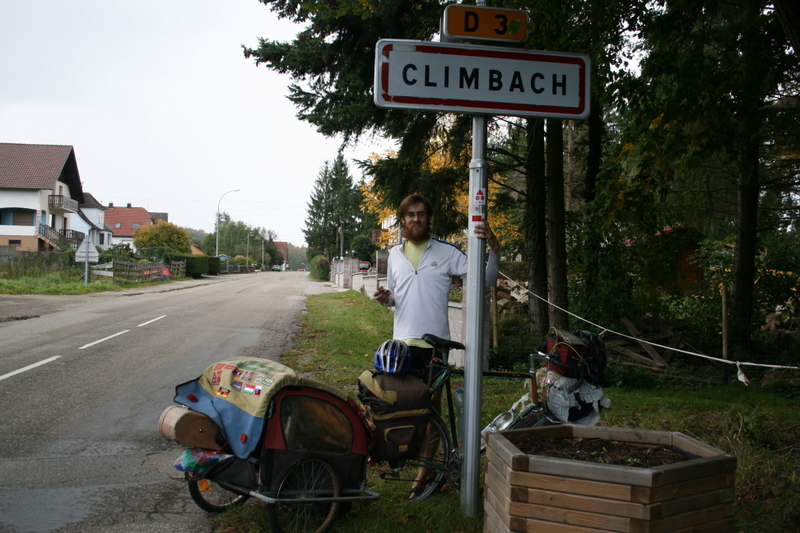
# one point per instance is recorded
(103, 340)
(29, 367)
(151, 321)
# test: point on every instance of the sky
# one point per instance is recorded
(163, 109)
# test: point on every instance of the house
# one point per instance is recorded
(40, 188)
(283, 249)
(124, 221)
(90, 219)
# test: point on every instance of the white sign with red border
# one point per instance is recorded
(474, 79)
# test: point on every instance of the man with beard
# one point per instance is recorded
(419, 277)
(418, 283)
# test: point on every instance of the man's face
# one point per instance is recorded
(417, 224)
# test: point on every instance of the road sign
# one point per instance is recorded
(485, 23)
(476, 79)
(81, 253)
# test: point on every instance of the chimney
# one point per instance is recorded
(129, 206)
(110, 204)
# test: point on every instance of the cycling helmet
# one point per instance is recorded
(393, 357)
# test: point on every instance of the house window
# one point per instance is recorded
(102, 238)
(118, 225)
(136, 225)
(14, 242)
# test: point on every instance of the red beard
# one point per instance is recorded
(417, 233)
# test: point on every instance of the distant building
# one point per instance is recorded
(90, 219)
(283, 248)
(124, 221)
(40, 187)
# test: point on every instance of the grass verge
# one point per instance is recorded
(341, 331)
(64, 284)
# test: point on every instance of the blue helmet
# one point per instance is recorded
(393, 357)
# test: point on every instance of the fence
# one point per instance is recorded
(132, 272)
(17, 264)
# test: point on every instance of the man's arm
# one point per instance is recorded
(382, 295)
(484, 231)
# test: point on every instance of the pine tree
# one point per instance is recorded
(334, 211)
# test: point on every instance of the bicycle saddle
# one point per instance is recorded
(440, 344)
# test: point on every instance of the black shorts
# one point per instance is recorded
(420, 361)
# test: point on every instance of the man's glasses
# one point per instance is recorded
(411, 215)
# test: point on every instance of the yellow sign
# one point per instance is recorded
(485, 23)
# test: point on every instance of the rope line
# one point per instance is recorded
(604, 330)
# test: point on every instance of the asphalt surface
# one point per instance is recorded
(122, 474)
(27, 306)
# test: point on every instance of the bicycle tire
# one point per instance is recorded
(213, 497)
(309, 477)
(442, 463)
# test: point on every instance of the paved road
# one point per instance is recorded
(84, 380)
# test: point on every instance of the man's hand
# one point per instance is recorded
(382, 295)
(483, 231)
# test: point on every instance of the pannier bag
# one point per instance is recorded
(580, 354)
(190, 428)
(397, 408)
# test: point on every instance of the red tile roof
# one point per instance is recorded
(126, 217)
(39, 166)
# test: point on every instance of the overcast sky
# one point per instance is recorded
(162, 108)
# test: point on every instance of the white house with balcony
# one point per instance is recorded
(40, 188)
(90, 219)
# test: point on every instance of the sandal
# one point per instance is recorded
(421, 485)
(415, 491)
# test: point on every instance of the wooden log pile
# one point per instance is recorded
(638, 348)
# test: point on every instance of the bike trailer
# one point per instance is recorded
(398, 408)
(270, 418)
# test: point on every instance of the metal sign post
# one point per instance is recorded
(479, 80)
(476, 278)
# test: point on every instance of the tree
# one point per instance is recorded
(161, 235)
(699, 133)
(334, 211)
(196, 236)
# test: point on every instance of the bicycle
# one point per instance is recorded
(445, 463)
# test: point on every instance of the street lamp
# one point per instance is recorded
(220, 201)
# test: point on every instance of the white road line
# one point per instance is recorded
(151, 321)
(29, 367)
(103, 340)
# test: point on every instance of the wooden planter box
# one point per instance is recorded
(527, 493)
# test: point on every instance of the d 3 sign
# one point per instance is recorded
(485, 23)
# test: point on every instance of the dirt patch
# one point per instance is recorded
(605, 451)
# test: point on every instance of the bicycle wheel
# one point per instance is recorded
(441, 465)
(312, 477)
(213, 497)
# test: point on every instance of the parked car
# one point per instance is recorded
(364, 266)
(276, 268)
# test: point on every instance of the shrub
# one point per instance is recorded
(320, 268)
(196, 265)
(213, 265)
